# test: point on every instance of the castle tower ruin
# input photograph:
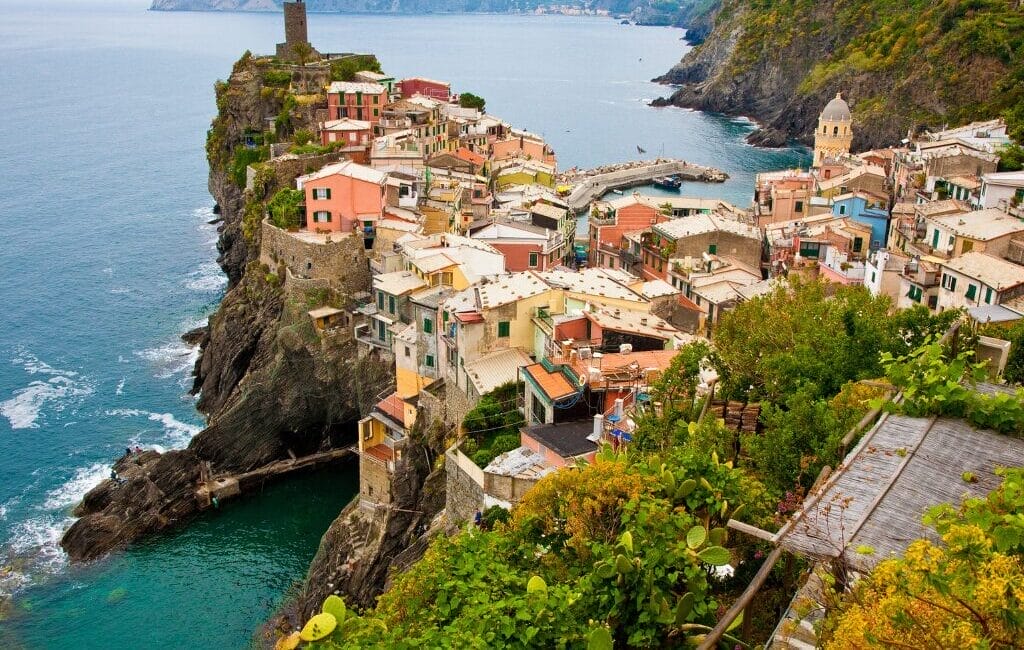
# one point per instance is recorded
(295, 31)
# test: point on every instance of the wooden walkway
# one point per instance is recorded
(226, 486)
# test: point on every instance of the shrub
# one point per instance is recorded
(346, 69)
(284, 208)
(242, 158)
(469, 100)
(278, 78)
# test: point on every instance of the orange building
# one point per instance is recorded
(343, 197)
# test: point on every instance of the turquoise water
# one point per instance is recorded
(106, 257)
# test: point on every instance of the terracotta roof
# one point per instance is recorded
(381, 452)
(465, 154)
(554, 384)
(469, 317)
(393, 407)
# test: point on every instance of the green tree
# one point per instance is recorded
(285, 208)
(469, 100)
(303, 53)
(345, 69)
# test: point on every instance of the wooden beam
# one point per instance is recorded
(743, 601)
(753, 531)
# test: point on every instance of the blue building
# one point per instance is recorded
(866, 209)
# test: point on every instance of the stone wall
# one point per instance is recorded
(464, 492)
(342, 263)
(374, 482)
(507, 488)
(446, 403)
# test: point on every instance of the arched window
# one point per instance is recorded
(824, 130)
(835, 130)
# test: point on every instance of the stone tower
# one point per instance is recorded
(295, 23)
(295, 31)
(835, 130)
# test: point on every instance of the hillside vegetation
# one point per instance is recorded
(902, 65)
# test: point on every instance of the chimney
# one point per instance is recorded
(598, 425)
(618, 409)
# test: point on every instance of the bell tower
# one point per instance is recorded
(835, 130)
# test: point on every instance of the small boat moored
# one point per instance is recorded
(668, 182)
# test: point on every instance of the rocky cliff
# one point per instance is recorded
(398, 6)
(270, 385)
(902, 66)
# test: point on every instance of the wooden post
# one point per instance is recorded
(743, 601)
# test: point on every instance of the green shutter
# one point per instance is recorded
(328, 196)
(430, 361)
(988, 295)
(391, 304)
(380, 300)
(428, 326)
(971, 291)
(504, 329)
(713, 249)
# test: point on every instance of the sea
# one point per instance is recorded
(107, 255)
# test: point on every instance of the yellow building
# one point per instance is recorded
(835, 131)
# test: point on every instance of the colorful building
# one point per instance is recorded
(439, 90)
(343, 197)
(356, 100)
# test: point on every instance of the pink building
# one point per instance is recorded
(356, 101)
(439, 90)
(343, 197)
(352, 133)
(609, 225)
(523, 145)
(526, 247)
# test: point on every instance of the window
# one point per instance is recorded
(391, 304)
(915, 293)
(538, 412)
(799, 206)
(988, 295)
(967, 246)
(858, 244)
(972, 291)
(872, 276)
(408, 351)
(321, 193)
(534, 259)
(429, 361)
(376, 112)
(444, 316)
(504, 329)
(382, 330)
(842, 209)
(321, 216)
(380, 300)
(428, 326)
(713, 249)
(948, 282)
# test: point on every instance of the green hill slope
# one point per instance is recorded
(901, 65)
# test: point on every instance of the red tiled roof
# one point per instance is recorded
(381, 452)
(554, 384)
(688, 304)
(469, 317)
(463, 153)
(393, 407)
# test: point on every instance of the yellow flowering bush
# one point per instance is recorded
(967, 592)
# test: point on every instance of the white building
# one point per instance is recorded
(979, 279)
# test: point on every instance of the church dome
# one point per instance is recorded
(836, 110)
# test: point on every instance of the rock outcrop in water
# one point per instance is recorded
(270, 385)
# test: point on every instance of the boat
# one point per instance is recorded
(619, 192)
(668, 182)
